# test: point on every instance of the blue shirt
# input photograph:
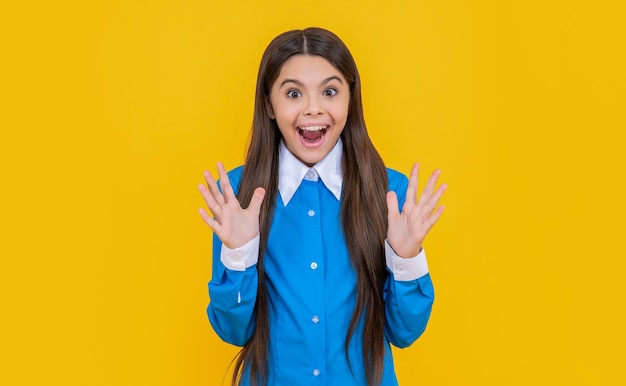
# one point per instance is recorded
(312, 288)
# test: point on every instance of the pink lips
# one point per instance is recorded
(312, 136)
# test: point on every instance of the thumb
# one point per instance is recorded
(256, 200)
(392, 204)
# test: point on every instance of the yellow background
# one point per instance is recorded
(111, 111)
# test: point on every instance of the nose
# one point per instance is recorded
(313, 107)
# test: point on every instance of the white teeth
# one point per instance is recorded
(313, 128)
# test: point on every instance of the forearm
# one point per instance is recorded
(409, 297)
(232, 292)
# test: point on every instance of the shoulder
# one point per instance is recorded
(396, 180)
(236, 173)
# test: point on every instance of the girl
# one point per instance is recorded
(321, 272)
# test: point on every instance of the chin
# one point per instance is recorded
(309, 160)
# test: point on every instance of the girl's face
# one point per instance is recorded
(309, 101)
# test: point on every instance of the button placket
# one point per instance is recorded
(311, 216)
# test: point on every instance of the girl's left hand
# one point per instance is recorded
(406, 231)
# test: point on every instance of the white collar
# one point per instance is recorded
(291, 172)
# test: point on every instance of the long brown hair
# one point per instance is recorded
(363, 207)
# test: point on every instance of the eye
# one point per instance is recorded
(293, 93)
(330, 91)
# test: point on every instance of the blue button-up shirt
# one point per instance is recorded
(311, 283)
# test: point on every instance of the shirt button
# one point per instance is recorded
(313, 265)
(316, 372)
(311, 213)
(399, 268)
(315, 319)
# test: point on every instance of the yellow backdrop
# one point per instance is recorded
(111, 110)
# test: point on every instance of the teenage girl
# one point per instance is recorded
(321, 271)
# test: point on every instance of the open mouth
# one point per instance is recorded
(312, 134)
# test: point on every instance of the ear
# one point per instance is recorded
(269, 108)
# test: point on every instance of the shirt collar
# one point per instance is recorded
(291, 172)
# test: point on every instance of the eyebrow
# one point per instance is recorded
(300, 84)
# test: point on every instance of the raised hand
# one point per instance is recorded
(407, 230)
(234, 225)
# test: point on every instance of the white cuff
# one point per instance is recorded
(239, 259)
(405, 269)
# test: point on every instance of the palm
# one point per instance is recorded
(407, 229)
(234, 225)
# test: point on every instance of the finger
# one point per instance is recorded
(430, 187)
(432, 220)
(256, 200)
(411, 190)
(210, 221)
(215, 208)
(429, 205)
(213, 189)
(392, 205)
(227, 189)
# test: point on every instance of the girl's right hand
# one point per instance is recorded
(234, 225)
